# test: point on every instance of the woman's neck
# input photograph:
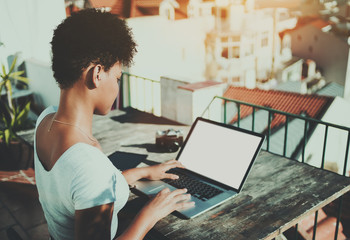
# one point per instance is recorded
(75, 108)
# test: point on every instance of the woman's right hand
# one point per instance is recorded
(165, 202)
(160, 206)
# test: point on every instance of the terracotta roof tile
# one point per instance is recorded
(319, 23)
(312, 106)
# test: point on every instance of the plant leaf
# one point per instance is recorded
(18, 73)
(2, 84)
(13, 65)
(24, 112)
(3, 70)
(8, 87)
(22, 79)
(7, 136)
(9, 111)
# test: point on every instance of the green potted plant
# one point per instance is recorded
(15, 154)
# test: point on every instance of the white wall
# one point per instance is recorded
(171, 48)
(192, 104)
(169, 91)
(27, 27)
(328, 51)
(42, 83)
(183, 105)
(338, 113)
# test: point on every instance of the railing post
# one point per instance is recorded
(324, 147)
(121, 93)
(296, 232)
(225, 111)
(208, 108)
(137, 91)
(268, 131)
(253, 120)
(153, 107)
(315, 226)
(346, 154)
(305, 139)
(285, 137)
(338, 217)
(239, 114)
(129, 91)
(144, 94)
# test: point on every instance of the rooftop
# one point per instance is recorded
(309, 105)
(332, 89)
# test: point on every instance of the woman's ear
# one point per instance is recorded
(96, 75)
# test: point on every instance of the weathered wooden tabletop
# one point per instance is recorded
(278, 193)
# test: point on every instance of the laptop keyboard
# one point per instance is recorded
(194, 186)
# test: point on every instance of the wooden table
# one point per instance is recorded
(279, 192)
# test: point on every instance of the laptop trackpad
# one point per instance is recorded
(151, 188)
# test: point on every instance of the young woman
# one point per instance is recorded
(79, 189)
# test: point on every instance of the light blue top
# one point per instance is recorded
(83, 177)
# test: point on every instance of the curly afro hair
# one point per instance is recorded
(89, 36)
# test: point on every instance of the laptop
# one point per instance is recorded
(217, 157)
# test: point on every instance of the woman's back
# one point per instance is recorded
(82, 177)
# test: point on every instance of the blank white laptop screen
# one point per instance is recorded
(220, 153)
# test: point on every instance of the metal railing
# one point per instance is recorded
(309, 124)
(140, 93)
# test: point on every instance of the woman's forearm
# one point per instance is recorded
(134, 174)
(141, 225)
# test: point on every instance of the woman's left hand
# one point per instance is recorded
(159, 171)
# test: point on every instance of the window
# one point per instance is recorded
(224, 39)
(235, 52)
(225, 79)
(223, 12)
(224, 53)
(230, 52)
(310, 49)
(265, 39)
(235, 79)
(218, 11)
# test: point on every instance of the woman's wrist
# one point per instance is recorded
(149, 217)
(147, 172)
(134, 174)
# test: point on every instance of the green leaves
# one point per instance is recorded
(13, 117)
